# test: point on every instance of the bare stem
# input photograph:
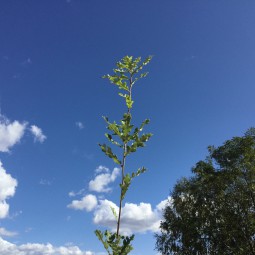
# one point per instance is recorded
(123, 164)
(122, 182)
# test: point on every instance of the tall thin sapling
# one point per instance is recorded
(128, 139)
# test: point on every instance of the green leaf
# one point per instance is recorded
(145, 137)
(99, 235)
(125, 185)
(109, 137)
(143, 75)
(112, 126)
(147, 60)
(108, 152)
(138, 172)
(129, 101)
(122, 95)
(145, 122)
(114, 213)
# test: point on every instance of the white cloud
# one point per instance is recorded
(101, 182)
(10, 133)
(87, 203)
(79, 124)
(163, 204)
(7, 248)
(74, 194)
(135, 218)
(38, 134)
(26, 62)
(4, 209)
(45, 182)
(7, 189)
(71, 194)
(4, 232)
(102, 169)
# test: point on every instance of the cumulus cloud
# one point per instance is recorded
(101, 181)
(7, 189)
(38, 134)
(10, 133)
(87, 203)
(4, 209)
(8, 248)
(135, 218)
(4, 232)
(163, 204)
(79, 124)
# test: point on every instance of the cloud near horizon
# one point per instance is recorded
(7, 233)
(135, 218)
(8, 248)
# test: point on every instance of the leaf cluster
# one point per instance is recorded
(126, 75)
(113, 244)
(127, 181)
(129, 138)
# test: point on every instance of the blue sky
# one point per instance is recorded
(55, 184)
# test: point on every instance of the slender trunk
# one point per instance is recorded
(122, 182)
(123, 164)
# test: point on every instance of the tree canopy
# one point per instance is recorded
(213, 212)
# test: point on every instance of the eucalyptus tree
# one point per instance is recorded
(213, 212)
(127, 139)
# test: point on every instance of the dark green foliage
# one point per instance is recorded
(213, 212)
(113, 244)
(128, 139)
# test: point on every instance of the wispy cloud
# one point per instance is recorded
(45, 182)
(79, 125)
(29, 229)
(190, 58)
(26, 62)
(74, 194)
(38, 134)
(4, 232)
(15, 215)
